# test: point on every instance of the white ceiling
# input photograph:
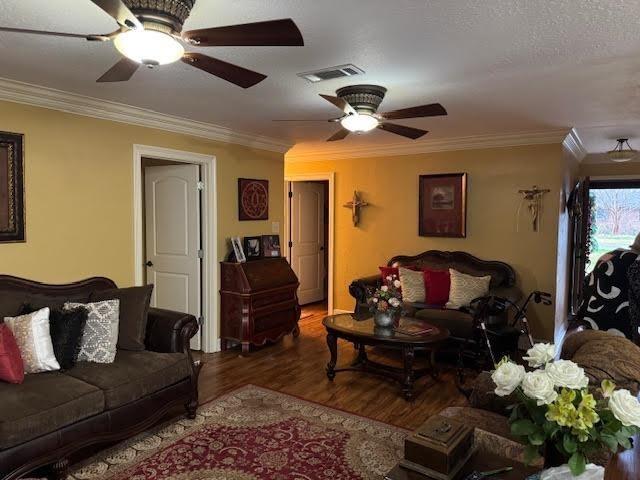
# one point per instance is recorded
(498, 66)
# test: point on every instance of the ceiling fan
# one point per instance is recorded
(150, 33)
(360, 103)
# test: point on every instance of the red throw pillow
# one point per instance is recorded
(437, 283)
(387, 271)
(11, 367)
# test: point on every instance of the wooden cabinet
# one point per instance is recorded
(259, 302)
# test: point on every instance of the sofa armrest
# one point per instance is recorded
(169, 331)
(513, 293)
(361, 289)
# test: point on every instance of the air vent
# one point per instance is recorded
(331, 73)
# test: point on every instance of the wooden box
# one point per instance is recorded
(440, 447)
(258, 302)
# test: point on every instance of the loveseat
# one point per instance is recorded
(458, 321)
(53, 414)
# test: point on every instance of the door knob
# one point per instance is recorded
(149, 263)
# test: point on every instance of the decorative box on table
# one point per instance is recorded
(439, 448)
(259, 302)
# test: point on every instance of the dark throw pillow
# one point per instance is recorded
(134, 308)
(66, 328)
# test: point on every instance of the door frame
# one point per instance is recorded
(314, 177)
(209, 228)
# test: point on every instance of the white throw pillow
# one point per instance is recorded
(100, 335)
(412, 284)
(33, 337)
(465, 288)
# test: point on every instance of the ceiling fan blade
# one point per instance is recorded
(120, 72)
(120, 12)
(408, 132)
(55, 34)
(331, 120)
(279, 33)
(340, 103)
(431, 110)
(231, 73)
(339, 135)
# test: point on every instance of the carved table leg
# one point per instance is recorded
(246, 347)
(435, 371)
(332, 343)
(60, 469)
(408, 355)
(361, 359)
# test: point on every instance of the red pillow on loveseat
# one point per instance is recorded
(437, 283)
(11, 367)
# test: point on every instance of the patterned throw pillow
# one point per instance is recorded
(100, 335)
(31, 332)
(412, 284)
(465, 288)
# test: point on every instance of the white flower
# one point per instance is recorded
(540, 354)
(394, 302)
(389, 278)
(625, 407)
(396, 283)
(507, 378)
(538, 386)
(568, 374)
(384, 288)
(374, 300)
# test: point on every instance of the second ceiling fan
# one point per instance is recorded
(360, 103)
(150, 33)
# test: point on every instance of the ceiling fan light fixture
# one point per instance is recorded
(622, 152)
(149, 47)
(359, 122)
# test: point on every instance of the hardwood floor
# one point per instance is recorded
(297, 367)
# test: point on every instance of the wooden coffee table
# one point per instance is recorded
(362, 332)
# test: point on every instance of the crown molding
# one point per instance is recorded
(573, 144)
(474, 142)
(39, 96)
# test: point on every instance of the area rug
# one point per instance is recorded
(254, 433)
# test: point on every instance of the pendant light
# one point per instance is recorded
(622, 152)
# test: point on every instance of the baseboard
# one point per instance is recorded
(336, 311)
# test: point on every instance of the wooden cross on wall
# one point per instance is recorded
(355, 205)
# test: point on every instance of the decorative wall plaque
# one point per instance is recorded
(11, 188)
(443, 205)
(253, 199)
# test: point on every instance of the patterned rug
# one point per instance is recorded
(253, 433)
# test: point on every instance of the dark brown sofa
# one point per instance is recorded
(459, 322)
(53, 414)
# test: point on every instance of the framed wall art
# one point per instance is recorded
(443, 205)
(270, 246)
(11, 187)
(253, 199)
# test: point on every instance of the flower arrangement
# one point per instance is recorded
(556, 409)
(387, 298)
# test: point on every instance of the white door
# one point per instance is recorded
(307, 236)
(172, 217)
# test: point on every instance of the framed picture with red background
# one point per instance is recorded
(253, 199)
(443, 205)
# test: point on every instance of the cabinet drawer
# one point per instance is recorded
(273, 320)
(261, 300)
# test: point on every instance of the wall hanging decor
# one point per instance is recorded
(532, 198)
(253, 199)
(442, 208)
(11, 187)
(355, 205)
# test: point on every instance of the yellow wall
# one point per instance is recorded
(389, 225)
(78, 174)
(609, 169)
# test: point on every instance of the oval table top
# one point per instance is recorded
(363, 327)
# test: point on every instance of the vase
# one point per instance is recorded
(563, 472)
(384, 319)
